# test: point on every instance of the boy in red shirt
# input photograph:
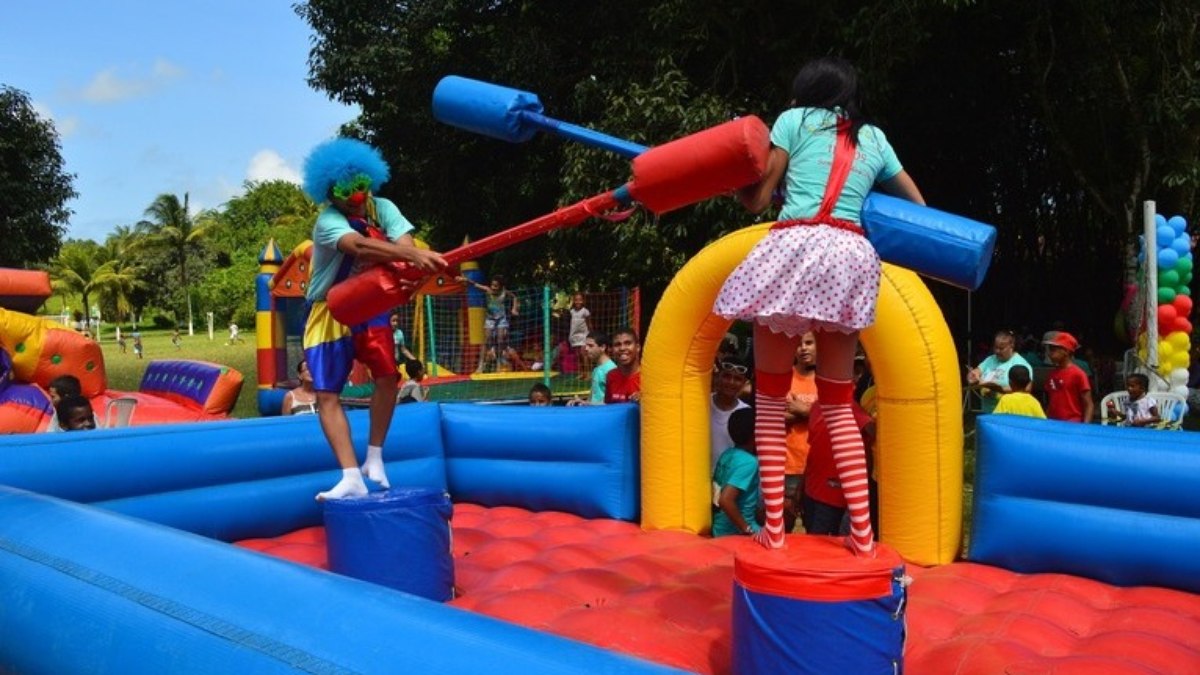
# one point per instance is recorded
(1068, 391)
(824, 508)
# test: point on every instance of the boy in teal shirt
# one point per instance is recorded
(736, 476)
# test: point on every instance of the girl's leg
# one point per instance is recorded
(773, 355)
(835, 393)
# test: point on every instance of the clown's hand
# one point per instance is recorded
(422, 259)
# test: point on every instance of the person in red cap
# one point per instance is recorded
(1068, 391)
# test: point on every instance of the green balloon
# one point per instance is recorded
(1184, 290)
(1168, 278)
(1166, 295)
(1187, 278)
(1184, 265)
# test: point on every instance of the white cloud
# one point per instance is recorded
(267, 165)
(65, 126)
(108, 87)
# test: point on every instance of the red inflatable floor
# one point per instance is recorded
(665, 596)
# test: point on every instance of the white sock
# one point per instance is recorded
(373, 467)
(351, 485)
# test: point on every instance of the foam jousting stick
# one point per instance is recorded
(937, 244)
(511, 115)
(668, 177)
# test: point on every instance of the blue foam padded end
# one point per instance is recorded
(936, 244)
(1113, 504)
(484, 108)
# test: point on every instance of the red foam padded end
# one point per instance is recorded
(666, 596)
(819, 569)
(701, 166)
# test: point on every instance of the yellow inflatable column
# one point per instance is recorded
(920, 428)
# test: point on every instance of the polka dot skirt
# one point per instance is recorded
(802, 278)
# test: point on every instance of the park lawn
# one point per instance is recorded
(125, 370)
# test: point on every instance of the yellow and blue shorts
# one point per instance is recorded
(331, 348)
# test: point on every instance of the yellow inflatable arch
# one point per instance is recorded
(920, 434)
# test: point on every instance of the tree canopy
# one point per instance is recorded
(34, 187)
(1052, 121)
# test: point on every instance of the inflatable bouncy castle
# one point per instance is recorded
(36, 350)
(575, 546)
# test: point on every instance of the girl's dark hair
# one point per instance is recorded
(830, 82)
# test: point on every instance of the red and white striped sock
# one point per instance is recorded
(849, 455)
(770, 439)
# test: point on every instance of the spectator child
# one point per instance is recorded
(624, 383)
(58, 389)
(74, 413)
(121, 340)
(402, 354)
(1019, 401)
(597, 345)
(577, 334)
(176, 340)
(64, 386)
(539, 395)
(412, 391)
(500, 304)
(800, 400)
(736, 475)
(137, 343)
(731, 375)
(1068, 391)
(1140, 410)
(824, 506)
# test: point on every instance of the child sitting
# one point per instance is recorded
(736, 474)
(1140, 410)
(1019, 401)
(412, 391)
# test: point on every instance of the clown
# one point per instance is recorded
(356, 230)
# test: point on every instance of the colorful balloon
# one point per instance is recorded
(1183, 305)
(1177, 223)
(1167, 258)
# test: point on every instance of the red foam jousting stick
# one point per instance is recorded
(668, 177)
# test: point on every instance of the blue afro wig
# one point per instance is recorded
(341, 159)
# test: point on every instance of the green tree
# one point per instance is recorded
(120, 276)
(172, 228)
(34, 185)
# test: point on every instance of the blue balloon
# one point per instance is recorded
(1165, 235)
(1167, 258)
(1177, 223)
(1182, 245)
(1159, 220)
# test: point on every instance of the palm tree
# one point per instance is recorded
(74, 272)
(119, 276)
(171, 227)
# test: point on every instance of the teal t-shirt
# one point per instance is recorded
(330, 227)
(807, 135)
(599, 375)
(738, 468)
(992, 369)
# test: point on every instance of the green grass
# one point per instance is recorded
(125, 370)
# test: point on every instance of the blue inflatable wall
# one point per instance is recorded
(1115, 504)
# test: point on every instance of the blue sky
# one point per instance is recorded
(153, 97)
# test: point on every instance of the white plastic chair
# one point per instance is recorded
(119, 412)
(1171, 409)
